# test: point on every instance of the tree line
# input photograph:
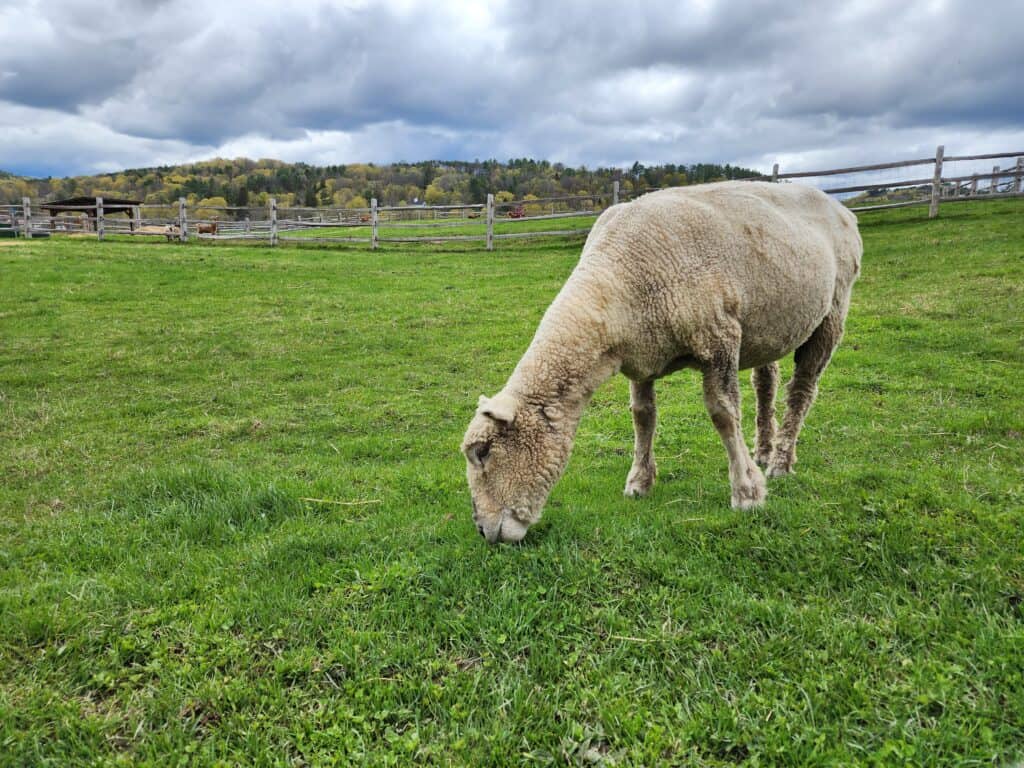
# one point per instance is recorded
(244, 182)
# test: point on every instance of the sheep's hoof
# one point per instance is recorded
(752, 493)
(637, 490)
(638, 485)
(781, 463)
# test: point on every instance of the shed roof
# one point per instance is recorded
(85, 204)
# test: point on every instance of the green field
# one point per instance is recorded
(234, 526)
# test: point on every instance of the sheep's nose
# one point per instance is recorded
(481, 529)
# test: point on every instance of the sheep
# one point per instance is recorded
(719, 278)
(170, 231)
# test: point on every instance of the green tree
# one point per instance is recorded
(434, 195)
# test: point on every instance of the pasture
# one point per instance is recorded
(234, 525)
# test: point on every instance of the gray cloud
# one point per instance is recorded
(580, 82)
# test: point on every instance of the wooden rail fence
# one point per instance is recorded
(411, 224)
(934, 188)
(275, 225)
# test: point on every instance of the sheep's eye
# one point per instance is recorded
(483, 451)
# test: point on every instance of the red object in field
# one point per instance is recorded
(517, 213)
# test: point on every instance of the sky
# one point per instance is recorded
(88, 87)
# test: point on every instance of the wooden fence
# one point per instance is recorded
(274, 224)
(930, 191)
(478, 223)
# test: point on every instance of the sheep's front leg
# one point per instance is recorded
(722, 399)
(645, 417)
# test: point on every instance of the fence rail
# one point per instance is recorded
(935, 189)
(436, 224)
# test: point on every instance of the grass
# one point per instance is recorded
(234, 527)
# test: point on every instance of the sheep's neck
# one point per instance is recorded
(564, 366)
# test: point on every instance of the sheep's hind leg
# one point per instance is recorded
(645, 416)
(810, 360)
(722, 399)
(766, 383)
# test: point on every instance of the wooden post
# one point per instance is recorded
(26, 211)
(615, 192)
(1019, 175)
(100, 221)
(490, 221)
(373, 223)
(775, 172)
(933, 209)
(136, 218)
(974, 185)
(994, 187)
(272, 202)
(182, 220)
(248, 225)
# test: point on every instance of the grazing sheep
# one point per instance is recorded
(169, 231)
(717, 277)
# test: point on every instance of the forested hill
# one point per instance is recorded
(246, 182)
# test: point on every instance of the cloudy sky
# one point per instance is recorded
(88, 86)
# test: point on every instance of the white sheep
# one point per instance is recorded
(717, 277)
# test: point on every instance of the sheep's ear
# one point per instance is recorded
(501, 408)
(477, 453)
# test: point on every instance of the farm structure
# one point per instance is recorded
(62, 212)
(487, 223)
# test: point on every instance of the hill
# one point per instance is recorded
(250, 182)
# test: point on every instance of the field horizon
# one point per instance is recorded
(235, 529)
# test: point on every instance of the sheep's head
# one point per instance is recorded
(514, 454)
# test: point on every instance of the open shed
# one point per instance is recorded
(87, 205)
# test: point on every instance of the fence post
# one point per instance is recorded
(974, 185)
(994, 188)
(136, 217)
(373, 223)
(1019, 175)
(26, 211)
(615, 192)
(182, 221)
(272, 202)
(490, 222)
(933, 209)
(101, 224)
